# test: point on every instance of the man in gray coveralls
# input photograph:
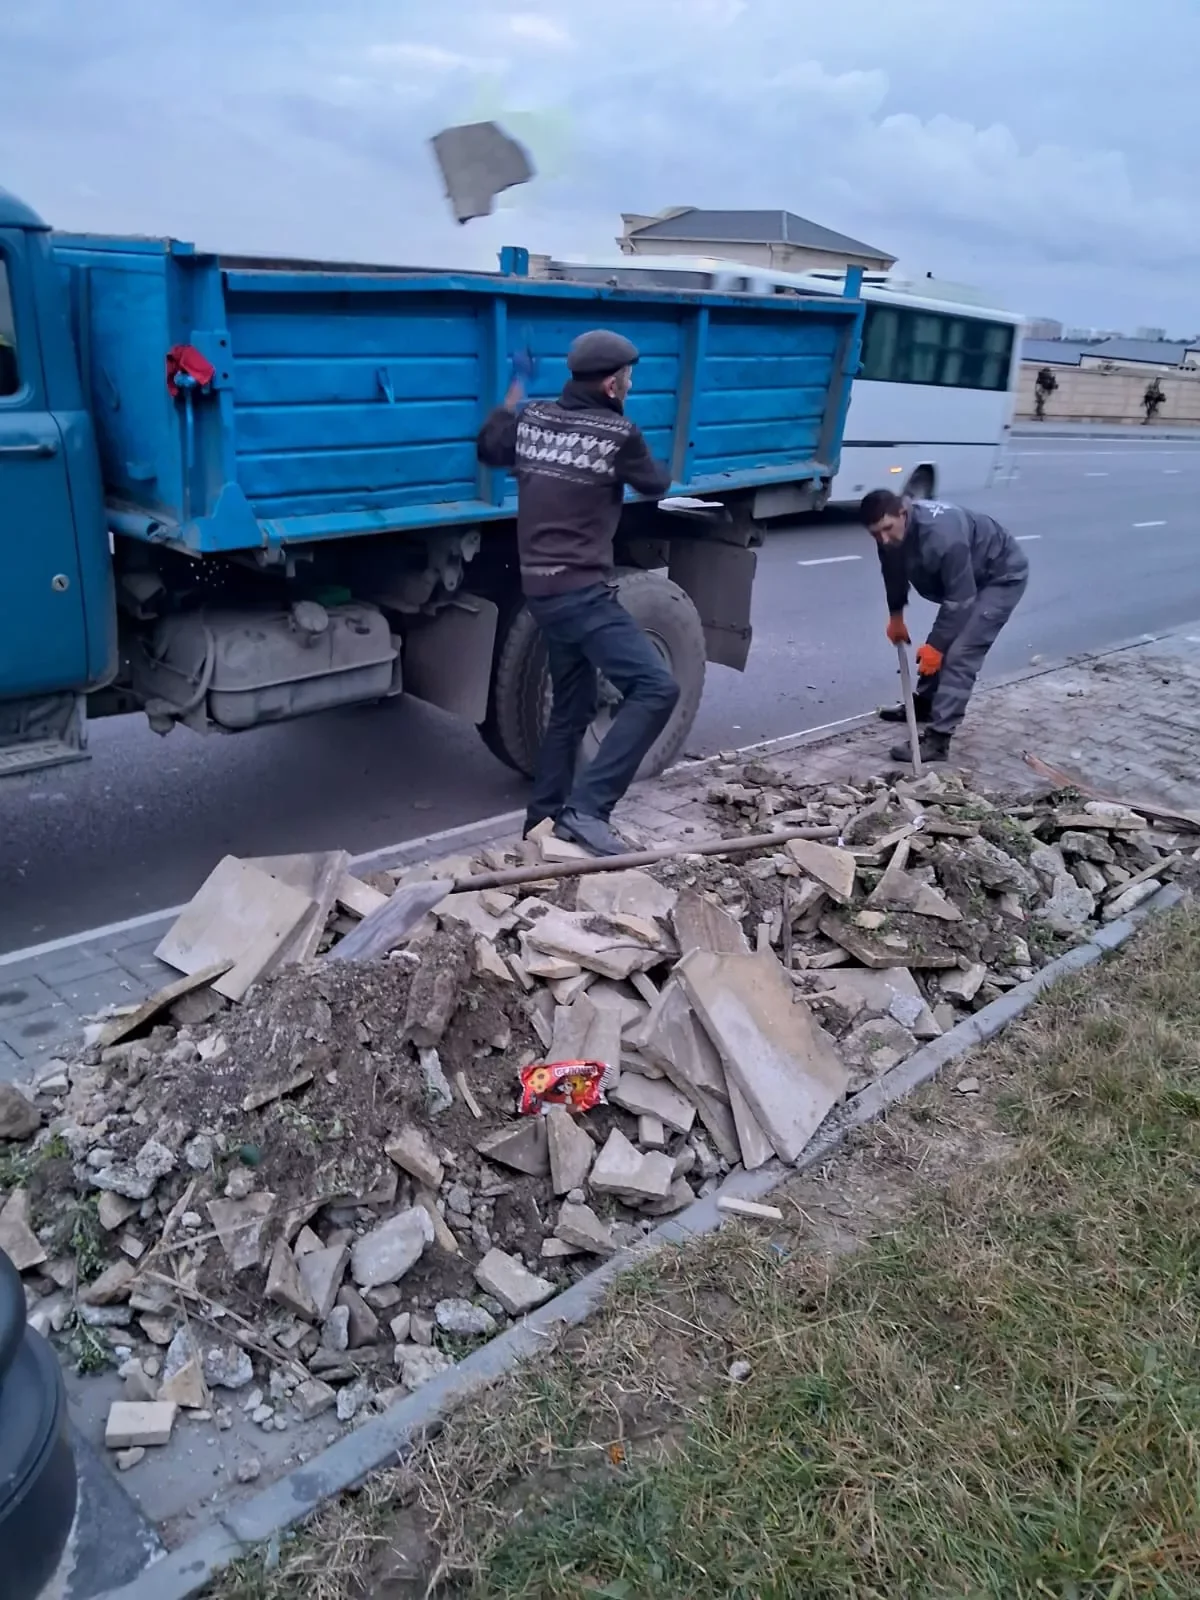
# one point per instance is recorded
(974, 571)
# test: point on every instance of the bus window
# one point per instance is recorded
(9, 381)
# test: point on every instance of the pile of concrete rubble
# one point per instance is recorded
(300, 1186)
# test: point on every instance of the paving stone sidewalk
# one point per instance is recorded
(1128, 721)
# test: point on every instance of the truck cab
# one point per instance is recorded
(57, 611)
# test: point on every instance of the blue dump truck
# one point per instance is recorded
(237, 490)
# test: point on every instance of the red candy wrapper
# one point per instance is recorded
(574, 1085)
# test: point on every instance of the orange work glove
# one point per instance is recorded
(929, 660)
(897, 629)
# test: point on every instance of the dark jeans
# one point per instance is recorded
(950, 689)
(589, 631)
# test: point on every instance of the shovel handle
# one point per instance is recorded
(910, 710)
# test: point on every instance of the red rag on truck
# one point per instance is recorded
(187, 359)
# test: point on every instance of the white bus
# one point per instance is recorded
(931, 407)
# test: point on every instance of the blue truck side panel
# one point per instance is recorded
(347, 401)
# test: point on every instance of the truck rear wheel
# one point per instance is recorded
(520, 697)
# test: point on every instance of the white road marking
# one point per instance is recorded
(1027, 538)
(1167, 471)
(1104, 474)
(827, 561)
(1149, 524)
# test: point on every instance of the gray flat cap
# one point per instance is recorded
(599, 353)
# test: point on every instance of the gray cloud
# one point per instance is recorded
(1024, 145)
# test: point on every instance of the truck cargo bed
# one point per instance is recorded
(346, 400)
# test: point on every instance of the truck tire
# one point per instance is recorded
(520, 697)
(921, 485)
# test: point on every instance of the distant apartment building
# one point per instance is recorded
(1043, 328)
(777, 239)
(1152, 335)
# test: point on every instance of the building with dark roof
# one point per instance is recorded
(777, 239)
(1165, 355)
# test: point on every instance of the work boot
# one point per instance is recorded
(596, 836)
(934, 746)
(922, 705)
(534, 819)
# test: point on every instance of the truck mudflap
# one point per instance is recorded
(448, 657)
(718, 579)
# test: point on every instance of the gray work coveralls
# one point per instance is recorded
(975, 572)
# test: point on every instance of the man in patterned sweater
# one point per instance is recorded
(573, 458)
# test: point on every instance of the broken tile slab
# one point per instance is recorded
(239, 915)
(677, 1198)
(570, 1150)
(1088, 843)
(734, 1205)
(112, 1285)
(389, 1251)
(623, 1170)
(701, 924)
(1068, 910)
(832, 868)
(489, 963)
(997, 870)
(133, 1424)
(731, 1126)
(468, 909)
(651, 1134)
(963, 985)
(17, 1238)
(186, 1388)
(673, 1039)
(520, 1145)
(576, 937)
(313, 1398)
(551, 969)
(285, 1287)
(647, 1097)
(880, 950)
(412, 1151)
(510, 1281)
(901, 891)
(1129, 900)
(634, 894)
(321, 1273)
(239, 1225)
(890, 992)
(873, 1048)
(630, 1008)
(580, 1226)
(569, 1031)
(358, 898)
(141, 1016)
(769, 1044)
(317, 875)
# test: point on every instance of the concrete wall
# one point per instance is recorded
(783, 257)
(1085, 395)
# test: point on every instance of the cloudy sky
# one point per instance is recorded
(1044, 149)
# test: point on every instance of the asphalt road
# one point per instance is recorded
(1110, 525)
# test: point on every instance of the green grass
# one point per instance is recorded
(996, 1396)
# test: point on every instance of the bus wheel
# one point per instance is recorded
(520, 700)
(920, 486)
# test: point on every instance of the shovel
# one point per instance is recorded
(910, 710)
(390, 923)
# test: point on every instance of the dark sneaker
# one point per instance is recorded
(922, 705)
(594, 834)
(934, 746)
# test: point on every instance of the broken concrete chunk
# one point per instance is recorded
(570, 1151)
(1137, 894)
(783, 1064)
(509, 1280)
(997, 870)
(313, 1398)
(892, 992)
(321, 1273)
(634, 894)
(19, 1117)
(701, 924)
(114, 1210)
(363, 1323)
(239, 1225)
(412, 1151)
(884, 950)
(112, 1285)
(489, 963)
(392, 1249)
(832, 868)
(963, 985)
(677, 1198)
(873, 1048)
(580, 1226)
(138, 1424)
(901, 891)
(1088, 843)
(1068, 910)
(519, 1145)
(623, 1170)
(285, 1287)
(734, 1205)
(17, 1239)
(573, 936)
(137, 1181)
(420, 1365)
(652, 1135)
(464, 1318)
(646, 1097)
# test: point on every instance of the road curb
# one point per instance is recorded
(383, 1441)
